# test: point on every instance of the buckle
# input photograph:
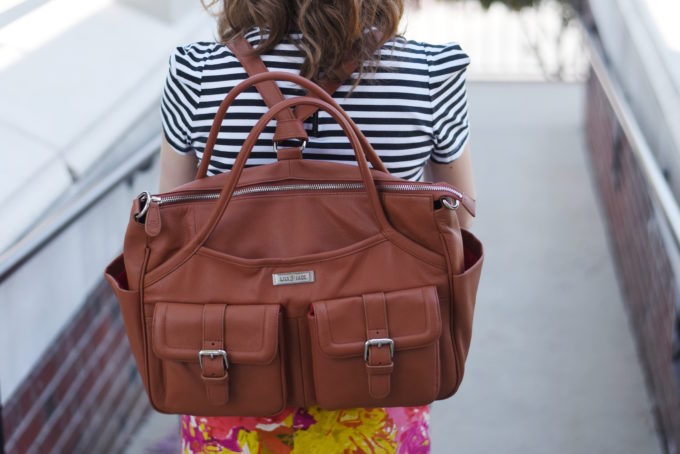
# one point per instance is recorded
(212, 354)
(302, 146)
(378, 343)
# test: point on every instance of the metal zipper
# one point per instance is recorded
(261, 189)
(146, 198)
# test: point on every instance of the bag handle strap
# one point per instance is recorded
(272, 94)
(332, 108)
(288, 124)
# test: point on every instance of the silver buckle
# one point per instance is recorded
(212, 354)
(302, 146)
(378, 343)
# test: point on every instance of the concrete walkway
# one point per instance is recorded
(553, 366)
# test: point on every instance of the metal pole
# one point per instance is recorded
(16, 255)
(2, 431)
(660, 189)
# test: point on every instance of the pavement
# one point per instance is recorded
(553, 365)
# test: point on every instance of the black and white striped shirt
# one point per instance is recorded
(412, 110)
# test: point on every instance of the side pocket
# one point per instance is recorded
(465, 293)
(357, 365)
(129, 303)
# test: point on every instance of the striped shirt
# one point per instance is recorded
(413, 109)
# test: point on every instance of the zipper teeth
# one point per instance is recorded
(183, 197)
(295, 187)
(161, 200)
(412, 187)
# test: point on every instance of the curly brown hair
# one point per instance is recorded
(332, 31)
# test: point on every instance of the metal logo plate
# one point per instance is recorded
(296, 277)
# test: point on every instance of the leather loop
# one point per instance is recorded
(379, 365)
(289, 129)
(375, 313)
(217, 389)
(214, 371)
(287, 154)
(379, 377)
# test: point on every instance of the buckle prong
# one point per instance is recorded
(212, 354)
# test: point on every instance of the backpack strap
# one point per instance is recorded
(288, 123)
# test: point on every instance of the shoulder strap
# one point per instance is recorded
(288, 123)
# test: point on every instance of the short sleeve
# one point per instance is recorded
(180, 98)
(447, 82)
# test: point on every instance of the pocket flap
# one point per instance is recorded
(413, 321)
(251, 332)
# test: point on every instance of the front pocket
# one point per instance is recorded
(218, 359)
(377, 349)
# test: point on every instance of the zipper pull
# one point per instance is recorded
(152, 225)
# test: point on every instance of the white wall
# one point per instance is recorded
(648, 69)
(71, 95)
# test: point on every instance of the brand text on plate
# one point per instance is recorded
(296, 277)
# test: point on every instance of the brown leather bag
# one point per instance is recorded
(297, 283)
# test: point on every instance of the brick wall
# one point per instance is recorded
(84, 394)
(644, 270)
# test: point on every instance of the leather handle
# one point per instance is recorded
(345, 123)
(356, 140)
(313, 88)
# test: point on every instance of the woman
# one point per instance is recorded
(412, 106)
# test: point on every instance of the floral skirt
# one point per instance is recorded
(311, 430)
